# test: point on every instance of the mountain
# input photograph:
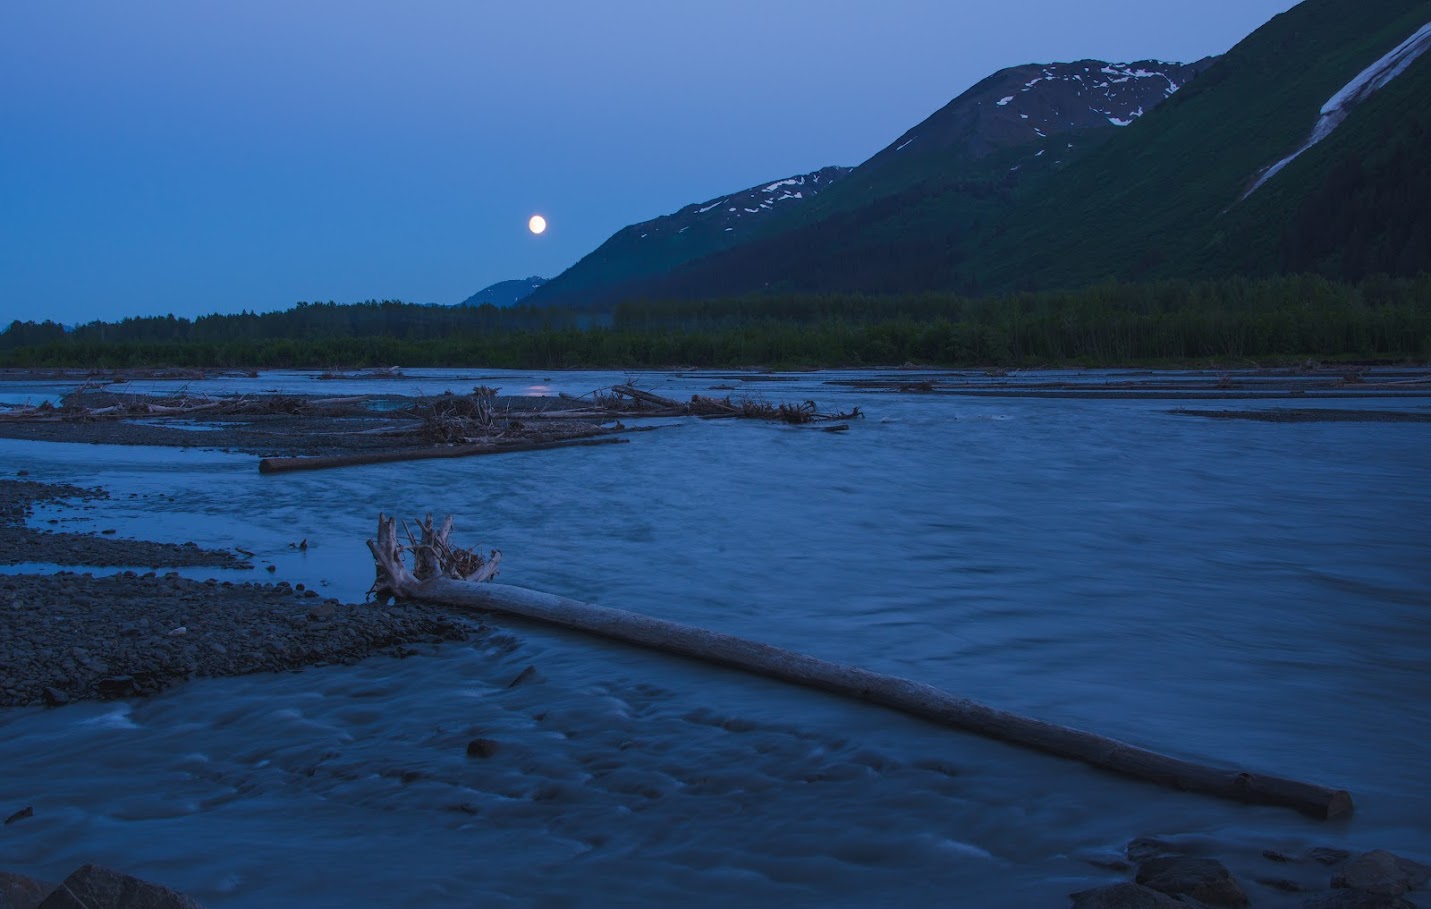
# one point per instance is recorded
(966, 157)
(1164, 197)
(505, 293)
(699, 229)
(1019, 114)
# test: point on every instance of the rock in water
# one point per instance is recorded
(483, 748)
(1383, 873)
(1203, 879)
(95, 886)
(20, 892)
(1124, 896)
(1326, 855)
(1146, 847)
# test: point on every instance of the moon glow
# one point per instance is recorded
(537, 224)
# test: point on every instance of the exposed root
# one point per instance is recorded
(434, 556)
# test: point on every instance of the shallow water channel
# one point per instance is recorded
(1243, 593)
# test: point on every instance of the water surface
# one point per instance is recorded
(1238, 592)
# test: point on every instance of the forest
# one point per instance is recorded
(1225, 320)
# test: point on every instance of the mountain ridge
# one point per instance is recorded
(1155, 200)
(506, 293)
(1021, 120)
(691, 232)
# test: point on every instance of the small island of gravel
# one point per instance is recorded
(78, 636)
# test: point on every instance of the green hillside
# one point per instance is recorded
(1151, 202)
(1357, 204)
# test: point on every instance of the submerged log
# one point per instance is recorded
(285, 465)
(438, 584)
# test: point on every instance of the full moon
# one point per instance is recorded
(537, 224)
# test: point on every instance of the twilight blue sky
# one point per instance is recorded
(189, 157)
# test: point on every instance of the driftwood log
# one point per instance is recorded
(449, 576)
(285, 465)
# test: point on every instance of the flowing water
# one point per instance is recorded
(1236, 592)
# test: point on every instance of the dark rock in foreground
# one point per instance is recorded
(1124, 896)
(1381, 872)
(20, 892)
(1205, 880)
(97, 887)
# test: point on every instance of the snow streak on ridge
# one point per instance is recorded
(1363, 86)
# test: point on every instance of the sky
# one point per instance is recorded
(189, 158)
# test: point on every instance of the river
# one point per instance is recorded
(1243, 593)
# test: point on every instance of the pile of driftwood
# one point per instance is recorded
(450, 419)
(447, 574)
(629, 401)
(459, 426)
(108, 406)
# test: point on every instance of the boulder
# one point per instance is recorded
(95, 886)
(1205, 880)
(20, 892)
(1124, 896)
(1382, 872)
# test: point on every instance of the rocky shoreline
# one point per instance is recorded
(72, 636)
(20, 543)
(76, 636)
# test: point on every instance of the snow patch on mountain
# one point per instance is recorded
(733, 210)
(1363, 86)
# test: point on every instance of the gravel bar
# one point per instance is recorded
(20, 544)
(71, 637)
(67, 637)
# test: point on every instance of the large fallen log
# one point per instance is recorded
(285, 465)
(646, 397)
(436, 582)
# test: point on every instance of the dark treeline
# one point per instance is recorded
(305, 321)
(1112, 323)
